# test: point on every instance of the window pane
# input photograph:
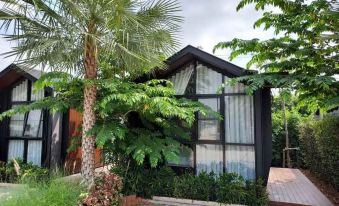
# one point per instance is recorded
(241, 160)
(33, 121)
(239, 120)
(238, 88)
(209, 158)
(211, 103)
(15, 149)
(208, 80)
(37, 95)
(19, 93)
(16, 125)
(185, 157)
(181, 80)
(208, 129)
(34, 152)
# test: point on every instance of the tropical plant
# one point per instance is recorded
(320, 148)
(72, 35)
(46, 192)
(135, 121)
(304, 54)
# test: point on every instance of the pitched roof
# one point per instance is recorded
(14, 72)
(190, 53)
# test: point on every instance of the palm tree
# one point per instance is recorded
(72, 34)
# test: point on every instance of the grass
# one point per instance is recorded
(54, 192)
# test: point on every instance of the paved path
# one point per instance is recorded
(292, 186)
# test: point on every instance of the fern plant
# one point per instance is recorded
(141, 121)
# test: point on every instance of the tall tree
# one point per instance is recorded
(304, 54)
(72, 34)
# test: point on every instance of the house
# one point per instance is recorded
(240, 142)
(38, 136)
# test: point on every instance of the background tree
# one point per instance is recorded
(71, 35)
(304, 54)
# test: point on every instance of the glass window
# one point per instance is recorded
(34, 151)
(37, 95)
(209, 158)
(208, 80)
(182, 79)
(238, 88)
(19, 93)
(34, 124)
(209, 130)
(15, 149)
(239, 119)
(240, 160)
(16, 125)
(185, 157)
(209, 125)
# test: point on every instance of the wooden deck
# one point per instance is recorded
(290, 187)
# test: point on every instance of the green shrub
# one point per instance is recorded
(43, 193)
(146, 182)
(201, 187)
(106, 191)
(231, 188)
(27, 172)
(256, 193)
(320, 148)
(226, 188)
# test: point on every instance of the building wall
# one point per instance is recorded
(72, 162)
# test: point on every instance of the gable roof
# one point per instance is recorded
(13, 72)
(190, 53)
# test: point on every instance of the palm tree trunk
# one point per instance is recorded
(89, 117)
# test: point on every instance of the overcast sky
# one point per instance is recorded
(206, 22)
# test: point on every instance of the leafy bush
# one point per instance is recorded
(227, 188)
(201, 187)
(146, 182)
(106, 191)
(320, 148)
(42, 193)
(23, 173)
(231, 188)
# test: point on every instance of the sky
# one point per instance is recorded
(206, 22)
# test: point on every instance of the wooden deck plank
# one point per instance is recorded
(291, 186)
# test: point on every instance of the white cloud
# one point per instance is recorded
(206, 22)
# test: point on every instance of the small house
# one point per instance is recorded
(240, 142)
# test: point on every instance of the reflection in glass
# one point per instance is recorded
(208, 80)
(241, 160)
(209, 158)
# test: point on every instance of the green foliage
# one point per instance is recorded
(304, 54)
(145, 181)
(139, 120)
(42, 193)
(320, 148)
(201, 187)
(226, 188)
(231, 188)
(27, 172)
(295, 115)
(105, 192)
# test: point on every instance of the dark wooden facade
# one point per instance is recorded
(261, 100)
(58, 129)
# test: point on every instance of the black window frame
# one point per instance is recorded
(221, 97)
(44, 114)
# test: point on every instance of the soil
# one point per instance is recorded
(327, 189)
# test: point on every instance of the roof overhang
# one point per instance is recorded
(13, 73)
